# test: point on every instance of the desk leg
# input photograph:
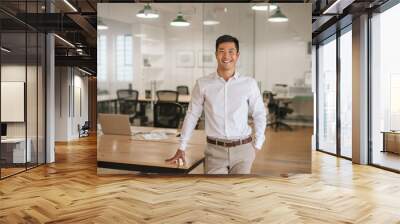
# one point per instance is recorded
(116, 107)
(384, 142)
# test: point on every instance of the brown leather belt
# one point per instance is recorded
(229, 143)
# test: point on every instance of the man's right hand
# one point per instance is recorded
(180, 154)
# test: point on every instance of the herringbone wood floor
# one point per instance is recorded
(69, 191)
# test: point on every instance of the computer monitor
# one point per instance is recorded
(3, 129)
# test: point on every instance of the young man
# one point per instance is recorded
(226, 97)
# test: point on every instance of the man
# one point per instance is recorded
(226, 97)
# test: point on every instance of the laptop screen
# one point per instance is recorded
(3, 129)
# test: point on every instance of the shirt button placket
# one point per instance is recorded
(226, 108)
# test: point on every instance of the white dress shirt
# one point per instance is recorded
(226, 107)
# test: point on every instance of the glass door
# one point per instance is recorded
(346, 93)
(327, 96)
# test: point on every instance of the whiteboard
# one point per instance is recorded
(12, 101)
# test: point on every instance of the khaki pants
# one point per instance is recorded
(224, 160)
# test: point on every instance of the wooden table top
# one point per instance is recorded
(137, 151)
(105, 98)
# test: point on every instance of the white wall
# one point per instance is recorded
(68, 83)
(281, 48)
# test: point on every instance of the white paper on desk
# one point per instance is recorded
(155, 136)
(165, 131)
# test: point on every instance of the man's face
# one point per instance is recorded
(227, 55)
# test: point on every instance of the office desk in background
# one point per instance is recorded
(112, 99)
(13, 150)
(108, 101)
(118, 154)
(391, 141)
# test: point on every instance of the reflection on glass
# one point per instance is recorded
(385, 114)
(327, 97)
(31, 101)
(15, 150)
(41, 150)
(346, 94)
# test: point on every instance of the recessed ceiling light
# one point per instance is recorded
(70, 5)
(264, 7)
(84, 71)
(64, 40)
(210, 22)
(5, 50)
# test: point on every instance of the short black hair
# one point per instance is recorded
(226, 38)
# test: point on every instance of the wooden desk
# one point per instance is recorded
(13, 150)
(111, 99)
(391, 141)
(181, 99)
(131, 153)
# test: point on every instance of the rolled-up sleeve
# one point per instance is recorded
(257, 110)
(192, 115)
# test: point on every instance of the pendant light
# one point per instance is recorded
(147, 12)
(211, 19)
(101, 25)
(278, 17)
(179, 21)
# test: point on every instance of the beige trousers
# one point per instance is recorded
(224, 160)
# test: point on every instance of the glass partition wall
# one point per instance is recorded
(385, 89)
(334, 105)
(327, 95)
(176, 47)
(22, 65)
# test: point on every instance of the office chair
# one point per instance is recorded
(182, 90)
(167, 96)
(277, 113)
(167, 114)
(84, 130)
(128, 101)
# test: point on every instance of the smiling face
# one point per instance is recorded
(227, 56)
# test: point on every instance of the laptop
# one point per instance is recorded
(115, 124)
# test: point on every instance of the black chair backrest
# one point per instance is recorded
(167, 114)
(183, 90)
(167, 96)
(128, 94)
(128, 100)
(272, 104)
(86, 125)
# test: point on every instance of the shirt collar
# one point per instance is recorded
(235, 76)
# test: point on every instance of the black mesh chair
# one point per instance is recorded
(83, 130)
(167, 96)
(182, 90)
(277, 113)
(130, 94)
(167, 114)
(128, 101)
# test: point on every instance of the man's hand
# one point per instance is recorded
(180, 154)
(255, 148)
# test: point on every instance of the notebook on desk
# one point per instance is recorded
(115, 124)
